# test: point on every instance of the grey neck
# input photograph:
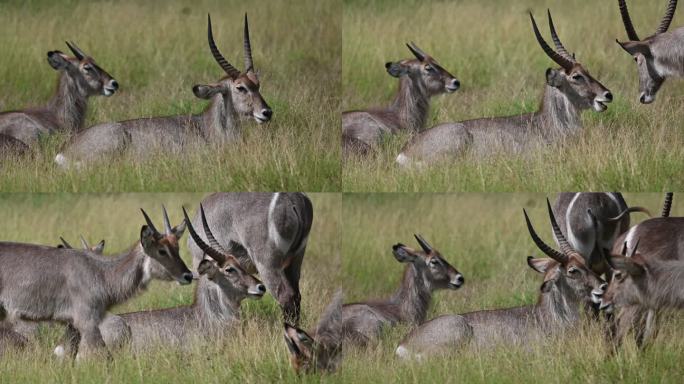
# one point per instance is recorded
(220, 120)
(69, 104)
(558, 116)
(413, 296)
(411, 104)
(213, 306)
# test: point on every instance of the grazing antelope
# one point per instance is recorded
(569, 287)
(266, 232)
(610, 209)
(426, 271)
(80, 77)
(97, 248)
(320, 349)
(569, 90)
(234, 97)
(40, 283)
(419, 80)
(659, 56)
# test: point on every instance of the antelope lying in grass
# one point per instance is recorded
(266, 232)
(80, 77)
(569, 287)
(76, 287)
(569, 90)
(233, 97)
(419, 80)
(573, 216)
(426, 272)
(658, 57)
(320, 349)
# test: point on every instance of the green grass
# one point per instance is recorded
(490, 47)
(483, 235)
(157, 50)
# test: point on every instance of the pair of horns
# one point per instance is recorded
(566, 248)
(561, 55)
(167, 224)
(417, 52)
(229, 68)
(629, 27)
(423, 244)
(213, 249)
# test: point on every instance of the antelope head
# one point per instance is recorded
(438, 273)
(425, 70)
(566, 268)
(163, 247)
(90, 78)
(629, 280)
(650, 77)
(572, 79)
(322, 349)
(242, 87)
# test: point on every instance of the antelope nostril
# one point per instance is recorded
(455, 83)
(187, 277)
(114, 84)
(642, 98)
(261, 288)
(267, 112)
(609, 96)
(603, 287)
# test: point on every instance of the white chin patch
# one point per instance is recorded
(599, 106)
(596, 298)
(260, 119)
(108, 92)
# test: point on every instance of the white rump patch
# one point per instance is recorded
(61, 161)
(59, 351)
(403, 160)
(282, 244)
(403, 353)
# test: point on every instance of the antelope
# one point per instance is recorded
(569, 288)
(569, 90)
(266, 232)
(234, 97)
(573, 212)
(80, 77)
(659, 56)
(40, 283)
(426, 271)
(321, 348)
(97, 248)
(419, 80)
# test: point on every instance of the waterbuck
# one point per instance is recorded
(426, 271)
(320, 349)
(40, 283)
(266, 232)
(612, 213)
(80, 77)
(569, 288)
(419, 80)
(569, 90)
(659, 56)
(233, 97)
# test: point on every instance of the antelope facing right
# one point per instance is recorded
(569, 90)
(235, 96)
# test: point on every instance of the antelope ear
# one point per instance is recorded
(396, 69)
(402, 254)
(206, 91)
(207, 267)
(634, 266)
(634, 47)
(58, 60)
(147, 237)
(179, 229)
(541, 265)
(99, 247)
(554, 77)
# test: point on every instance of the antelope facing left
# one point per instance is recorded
(79, 78)
(659, 56)
(234, 97)
(569, 90)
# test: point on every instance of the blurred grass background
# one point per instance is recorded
(157, 50)
(490, 47)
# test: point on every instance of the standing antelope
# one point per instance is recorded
(426, 272)
(80, 77)
(320, 349)
(419, 80)
(573, 215)
(234, 97)
(40, 283)
(266, 232)
(569, 90)
(659, 56)
(569, 287)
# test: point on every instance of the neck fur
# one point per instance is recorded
(69, 104)
(220, 120)
(412, 104)
(559, 117)
(125, 275)
(213, 306)
(556, 308)
(413, 296)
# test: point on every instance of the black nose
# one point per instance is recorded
(460, 279)
(456, 83)
(187, 277)
(261, 288)
(603, 286)
(267, 112)
(609, 96)
(642, 98)
(114, 84)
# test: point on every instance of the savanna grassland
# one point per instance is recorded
(157, 50)
(490, 47)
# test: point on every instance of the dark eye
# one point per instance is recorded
(163, 252)
(88, 67)
(573, 271)
(241, 88)
(231, 270)
(434, 262)
(577, 77)
(429, 68)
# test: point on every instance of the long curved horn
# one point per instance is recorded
(167, 222)
(627, 21)
(566, 248)
(211, 252)
(667, 19)
(552, 253)
(249, 64)
(628, 211)
(149, 222)
(560, 60)
(417, 52)
(210, 236)
(556, 40)
(634, 249)
(667, 205)
(76, 50)
(423, 244)
(227, 67)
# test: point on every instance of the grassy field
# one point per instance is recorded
(481, 235)
(157, 50)
(490, 47)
